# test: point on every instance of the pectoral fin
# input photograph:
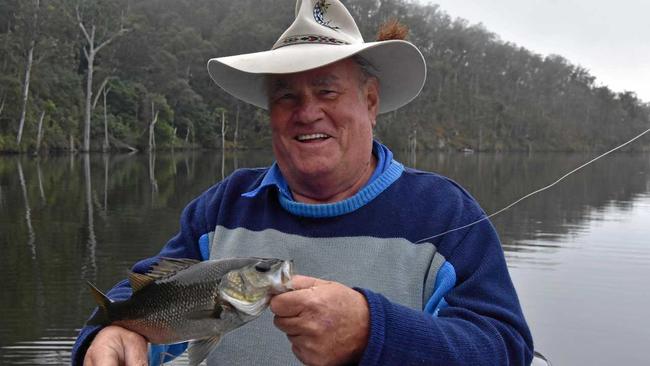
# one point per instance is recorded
(205, 314)
(200, 349)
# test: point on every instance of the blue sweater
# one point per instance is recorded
(446, 301)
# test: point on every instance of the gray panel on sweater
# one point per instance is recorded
(402, 271)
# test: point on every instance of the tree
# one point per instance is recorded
(33, 30)
(93, 45)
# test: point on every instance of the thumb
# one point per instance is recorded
(302, 282)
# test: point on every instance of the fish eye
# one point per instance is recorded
(263, 267)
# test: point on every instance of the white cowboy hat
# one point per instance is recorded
(323, 32)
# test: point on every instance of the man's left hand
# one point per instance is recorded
(326, 322)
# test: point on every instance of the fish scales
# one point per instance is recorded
(185, 300)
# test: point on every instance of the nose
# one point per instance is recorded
(309, 110)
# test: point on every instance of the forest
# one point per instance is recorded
(92, 75)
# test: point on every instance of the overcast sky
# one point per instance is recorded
(609, 38)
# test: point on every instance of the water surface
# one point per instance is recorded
(579, 253)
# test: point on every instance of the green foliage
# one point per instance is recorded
(481, 92)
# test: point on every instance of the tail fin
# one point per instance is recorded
(100, 317)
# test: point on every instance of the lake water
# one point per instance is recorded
(579, 253)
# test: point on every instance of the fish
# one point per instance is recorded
(181, 300)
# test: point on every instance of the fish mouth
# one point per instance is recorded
(287, 274)
(312, 137)
(282, 281)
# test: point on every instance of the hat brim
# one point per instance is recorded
(399, 65)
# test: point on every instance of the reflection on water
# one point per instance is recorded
(576, 251)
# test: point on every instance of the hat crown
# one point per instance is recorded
(320, 22)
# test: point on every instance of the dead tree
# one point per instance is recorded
(152, 126)
(105, 146)
(28, 71)
(236, 133)
(90, 52)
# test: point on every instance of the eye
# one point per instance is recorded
(328, 92)
(262, 267)
(285, 96)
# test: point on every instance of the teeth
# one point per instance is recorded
(312, 136)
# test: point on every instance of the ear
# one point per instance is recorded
(372, 98)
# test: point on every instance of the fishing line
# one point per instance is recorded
(537, 191)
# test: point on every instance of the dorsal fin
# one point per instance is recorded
(166, 267)
(139, 281)
(169, 266)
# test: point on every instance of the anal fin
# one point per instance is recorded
(200, 349)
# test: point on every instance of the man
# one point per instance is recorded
(350, 217)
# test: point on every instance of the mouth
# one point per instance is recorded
(286, 273)
(312, 137)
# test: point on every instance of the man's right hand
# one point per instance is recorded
(116, 346)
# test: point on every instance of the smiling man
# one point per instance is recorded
(373, 290)
(322, 123)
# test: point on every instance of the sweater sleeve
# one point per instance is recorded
(480, 324)
(185, 244)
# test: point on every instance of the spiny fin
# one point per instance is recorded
(200, 349)
(166, 267)
(139, 281)
(169, 266)
(101, 315)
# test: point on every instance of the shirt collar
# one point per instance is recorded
(274, 178)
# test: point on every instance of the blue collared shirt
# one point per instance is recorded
(274, 178)
(386, 172)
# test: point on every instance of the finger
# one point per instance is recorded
(135, 350)
(302, 282)
(93, 358)
(289, 304)
(296, 326)
(302, 349)
(287, 325)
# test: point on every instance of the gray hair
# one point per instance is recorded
(367, 69)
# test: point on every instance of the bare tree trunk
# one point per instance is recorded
(25, 96)
(100, 91)
(236, 127)
(223, 130)
(72, 150)
(39, 137)
(105, 146)
(90, 54)
(28, 72)
(152, 126)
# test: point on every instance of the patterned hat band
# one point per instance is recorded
(308, 38)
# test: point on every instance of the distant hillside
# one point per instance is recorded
(481, 93)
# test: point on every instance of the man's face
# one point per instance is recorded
(322, 121)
